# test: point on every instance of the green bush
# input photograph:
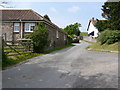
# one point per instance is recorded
(109, 36)
(5, 59)
(40, 38)
(70, 39)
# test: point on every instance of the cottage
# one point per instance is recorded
(16, 23)
(92, 30)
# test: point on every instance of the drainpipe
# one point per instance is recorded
(21, 29)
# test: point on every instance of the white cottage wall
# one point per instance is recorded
(93, 28)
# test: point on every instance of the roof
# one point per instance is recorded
(20, 14)
(93, 21)
(24, 15)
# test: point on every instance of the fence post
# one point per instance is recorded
(2, 47)
(1, 53)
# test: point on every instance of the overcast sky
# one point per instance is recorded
(65, 13)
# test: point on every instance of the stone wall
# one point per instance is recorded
(54, 41)
(52, 37)
(7, 31)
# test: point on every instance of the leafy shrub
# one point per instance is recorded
(40, 38)
(4, 57)
(70, 39)
(109, 36)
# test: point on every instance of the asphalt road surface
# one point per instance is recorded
(73, 67)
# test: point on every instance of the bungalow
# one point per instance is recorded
(17, 23)
(92, 30)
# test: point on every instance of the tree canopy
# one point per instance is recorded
(73, 29)
(47, 17)
(102, 25)
(111, 11)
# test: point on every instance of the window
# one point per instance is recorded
(57, 34)
(64, 37)
(29, 27)
(16, 27)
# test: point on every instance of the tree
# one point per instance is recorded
(47, 17)
(101, 25)
(111, 11)
(73, 29)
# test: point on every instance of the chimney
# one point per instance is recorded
(93, 21)
(93, 18)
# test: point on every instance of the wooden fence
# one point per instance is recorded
(20, 47)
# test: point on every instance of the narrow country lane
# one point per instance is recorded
(73, 67)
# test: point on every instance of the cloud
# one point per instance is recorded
(73, 9)
(53, 9)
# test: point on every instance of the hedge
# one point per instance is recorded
(109, 36)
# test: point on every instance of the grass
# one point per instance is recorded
(89, 41)
(98, 46)
(13, 60)
(83, 34)
(9, 61)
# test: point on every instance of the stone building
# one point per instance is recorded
(16, 23)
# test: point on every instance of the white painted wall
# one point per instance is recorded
(93, 28)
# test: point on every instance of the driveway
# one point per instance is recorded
(73, 67)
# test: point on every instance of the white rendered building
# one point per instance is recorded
(92, 30)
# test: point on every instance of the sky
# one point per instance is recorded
(65, 13)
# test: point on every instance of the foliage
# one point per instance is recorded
(4, 57)
(73, 29)
(47, 17)
(111, 11)
(9, 61)
(109, 36)
(70, 39)
(83, 34)
(40, 38)
(101, 25)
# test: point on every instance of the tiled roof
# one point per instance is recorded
(20, 14)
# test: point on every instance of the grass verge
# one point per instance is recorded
(10, 61)
(89, 41)
(104, 47)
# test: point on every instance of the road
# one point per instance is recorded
(73, 67)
